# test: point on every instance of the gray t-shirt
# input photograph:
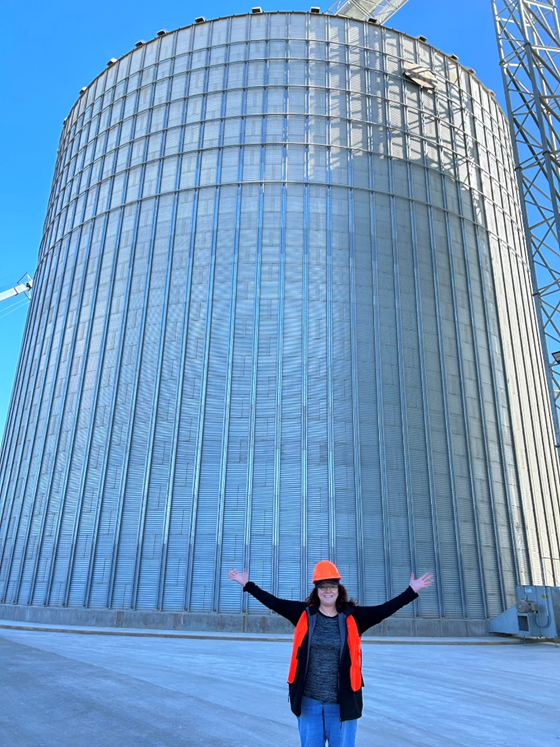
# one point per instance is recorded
(321, 682)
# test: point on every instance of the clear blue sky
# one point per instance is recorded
(50, 50)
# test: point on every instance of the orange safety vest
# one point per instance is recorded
(354, 646)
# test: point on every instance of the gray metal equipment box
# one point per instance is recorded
(536, 614)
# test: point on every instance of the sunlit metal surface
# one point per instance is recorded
(282, 312)
(420, 75)
(361, 10)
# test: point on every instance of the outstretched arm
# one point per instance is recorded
(287, 608)
(366, 617)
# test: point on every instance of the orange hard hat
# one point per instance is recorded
(325, 570)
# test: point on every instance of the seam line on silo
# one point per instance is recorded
(39, 317)
(72, 438)
(91, 565)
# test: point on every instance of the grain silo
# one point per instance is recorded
(282, 312)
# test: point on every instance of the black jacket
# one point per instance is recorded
(350, 702)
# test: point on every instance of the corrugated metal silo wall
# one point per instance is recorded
(282, 313)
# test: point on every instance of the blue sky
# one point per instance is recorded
(50, 50)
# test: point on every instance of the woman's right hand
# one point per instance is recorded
(241, 578)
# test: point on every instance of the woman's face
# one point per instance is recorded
(328, 594)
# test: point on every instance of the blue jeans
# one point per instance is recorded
(320, 724)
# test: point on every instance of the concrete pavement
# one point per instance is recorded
(66, 690)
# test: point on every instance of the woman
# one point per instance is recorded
(325, 676)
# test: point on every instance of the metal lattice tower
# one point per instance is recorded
(529, 45)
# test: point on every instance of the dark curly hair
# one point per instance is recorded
(341, 600)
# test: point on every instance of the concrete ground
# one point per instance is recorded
(68, 690)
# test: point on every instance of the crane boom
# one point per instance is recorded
(16, 290)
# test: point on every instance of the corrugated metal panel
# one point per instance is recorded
(131, 507)
(150, 529)
(71, 488)
(271, 329)
(86, 522)
(38, 526)
(177, 522)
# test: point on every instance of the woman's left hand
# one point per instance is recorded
(417, 584)
(241, 578)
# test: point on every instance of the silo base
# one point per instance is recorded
(223, 622)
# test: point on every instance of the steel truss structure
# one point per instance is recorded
(529, 44)
(380, 10)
